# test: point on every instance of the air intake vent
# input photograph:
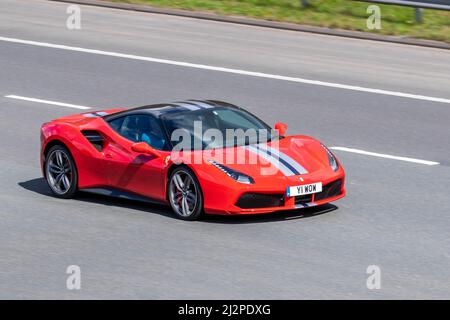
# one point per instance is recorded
(330, 190)
(259, 200)
(300, 200)
(95, 138)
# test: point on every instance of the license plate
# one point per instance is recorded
(304, 189)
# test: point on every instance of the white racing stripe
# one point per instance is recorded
(277, 153)
(186, 105)
(273, 160)
(228, 70)
(201, 104)
(381, 155)
(193, 105)
(55, 103)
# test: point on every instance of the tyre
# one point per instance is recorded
(61, 172)
(185, 195)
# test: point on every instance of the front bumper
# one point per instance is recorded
(274, 198)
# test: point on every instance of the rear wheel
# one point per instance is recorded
(185, 195)
(60, 172)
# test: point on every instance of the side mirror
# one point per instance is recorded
(142, 147)
(281, 128)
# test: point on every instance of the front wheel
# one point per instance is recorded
(60, 172)
(185, 195)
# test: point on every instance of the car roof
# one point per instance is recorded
(162, 109)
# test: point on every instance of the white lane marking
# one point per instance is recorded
(381, 155)
(373, 154)
(61, 104)
(228, 70)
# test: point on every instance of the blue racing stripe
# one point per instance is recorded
(274, 161)
(288, 159)
(279, 157)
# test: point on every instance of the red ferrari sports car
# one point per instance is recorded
(198, 156)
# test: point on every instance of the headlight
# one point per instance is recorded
(331, 159)
(238, 176)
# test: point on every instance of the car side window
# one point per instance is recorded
(116, 124)
(141, 128)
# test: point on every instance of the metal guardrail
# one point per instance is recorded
(417, 4)
(430, 4)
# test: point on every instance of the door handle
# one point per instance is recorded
(108, 155)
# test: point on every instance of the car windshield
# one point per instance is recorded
(215, 128)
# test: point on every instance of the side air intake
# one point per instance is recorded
(95, 138)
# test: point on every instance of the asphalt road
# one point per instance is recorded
(396, 214)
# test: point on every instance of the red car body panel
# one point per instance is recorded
(117, 166)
